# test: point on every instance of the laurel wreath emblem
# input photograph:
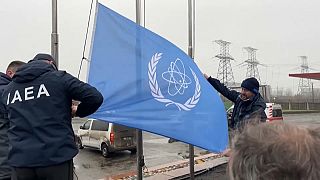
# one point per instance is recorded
(157, 94)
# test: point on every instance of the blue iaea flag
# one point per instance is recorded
(150, 84)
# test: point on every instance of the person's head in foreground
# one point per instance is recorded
(276, 151)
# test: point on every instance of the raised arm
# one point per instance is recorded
(232, 95)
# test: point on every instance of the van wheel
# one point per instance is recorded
(104, 150)
(133, 151)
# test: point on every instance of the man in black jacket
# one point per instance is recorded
(5, 79)
(39, 101)
(248, 104)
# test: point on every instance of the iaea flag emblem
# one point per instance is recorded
(178, 81)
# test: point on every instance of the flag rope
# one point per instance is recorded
(85, 41)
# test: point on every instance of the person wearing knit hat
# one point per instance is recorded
(45, 57)
(251, 85)
(40, 111)
(248, 104)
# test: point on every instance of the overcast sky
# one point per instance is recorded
(280, 30)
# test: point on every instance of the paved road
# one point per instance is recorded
(311, 120)
(91, 165)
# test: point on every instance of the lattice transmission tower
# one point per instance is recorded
(252, 63)
(225, 74)
(304, 87)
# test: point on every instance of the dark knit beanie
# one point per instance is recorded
(42, 56)
(251, 84)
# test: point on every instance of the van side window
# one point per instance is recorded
(100, 125)
(86, 125)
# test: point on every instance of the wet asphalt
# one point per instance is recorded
(89, 163)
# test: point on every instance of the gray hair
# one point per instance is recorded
(275, 151)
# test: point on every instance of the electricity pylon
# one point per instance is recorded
(225, 74)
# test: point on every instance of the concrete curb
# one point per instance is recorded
(299, 111)
(176, 169)
(184, 172)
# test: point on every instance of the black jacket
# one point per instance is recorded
(243, 111)
(39, 102)
(5, 170)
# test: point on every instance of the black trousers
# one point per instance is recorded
(63, 171)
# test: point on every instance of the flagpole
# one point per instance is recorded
(191, 37)
(54, 34)
(140, 158)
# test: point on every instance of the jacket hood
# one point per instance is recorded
(31, 71)
(259, 101)
(4, 79)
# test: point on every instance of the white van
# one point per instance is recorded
(273, 112)
(106, 137)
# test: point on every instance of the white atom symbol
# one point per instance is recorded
(176, 77)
